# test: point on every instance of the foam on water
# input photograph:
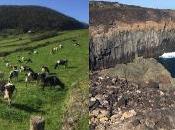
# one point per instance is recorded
(168, 55)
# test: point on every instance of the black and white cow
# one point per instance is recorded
(54, 50)
(33, 52)
(24, 59)
(77, 44)
(7, 89)
(31, 76)
(60, 46)
(45, 69)
(9, 65)
(14, 74)
(28, 60)
(20, 61)
(24, 68)
(63, 62)
(50, 80)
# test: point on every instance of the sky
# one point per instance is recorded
(161, 4)
(78, 9)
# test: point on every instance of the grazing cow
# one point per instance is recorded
(8, 65)
(7, 89)
(20, 61)
(77, 44)
(63, 62)
(28, 60)
(31, 76)
(35, 52)
(27, 69)
(54, 50)
(45, 69)
(14, 74)
(23, 59)
(50, 80)
(60, 46)
(24, 68)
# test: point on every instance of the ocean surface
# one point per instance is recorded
(168, 61)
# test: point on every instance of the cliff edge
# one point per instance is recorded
(119, 33)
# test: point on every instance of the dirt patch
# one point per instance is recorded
(77, 108)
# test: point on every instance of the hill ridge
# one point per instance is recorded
(34, 17)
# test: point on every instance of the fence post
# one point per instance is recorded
(37, 123)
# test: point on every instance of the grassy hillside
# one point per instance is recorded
(31, 100)
(24, 18)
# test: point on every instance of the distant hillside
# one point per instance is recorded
(114, 11)
(35, 18)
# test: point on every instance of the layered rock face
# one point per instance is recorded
(127, 32)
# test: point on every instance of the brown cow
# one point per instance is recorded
(7, 89)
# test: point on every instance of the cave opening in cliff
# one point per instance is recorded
(168, 61)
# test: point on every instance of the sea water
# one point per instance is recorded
(168, 61)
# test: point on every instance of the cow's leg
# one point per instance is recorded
(9, 101)
(56, 65)
(26, 80)
(37, 82)
(7, 96)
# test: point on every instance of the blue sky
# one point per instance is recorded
(161, 4)
(74, 8)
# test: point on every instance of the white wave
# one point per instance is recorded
(168, 55)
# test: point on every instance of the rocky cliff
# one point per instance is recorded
(119, 33)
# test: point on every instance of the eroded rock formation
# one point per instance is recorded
(119, 33)
(136, 96)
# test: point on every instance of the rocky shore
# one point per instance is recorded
(120, 103)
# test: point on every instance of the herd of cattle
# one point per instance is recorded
(43, 78)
